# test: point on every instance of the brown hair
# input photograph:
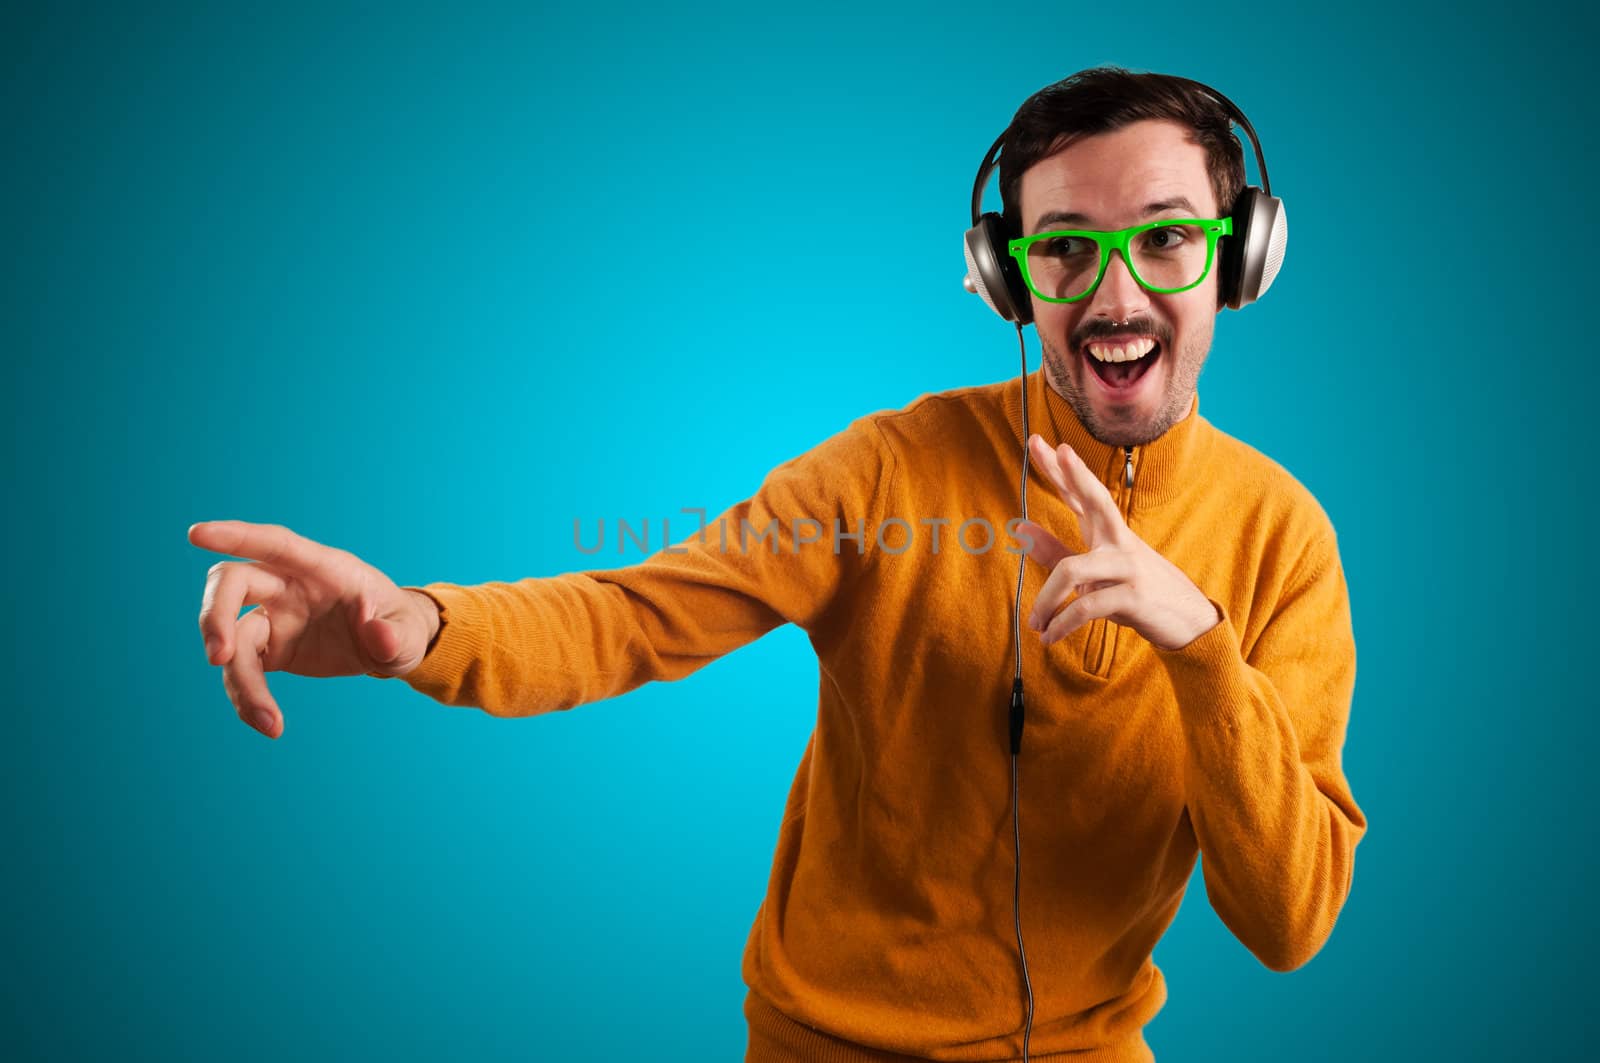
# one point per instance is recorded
(1104, 98)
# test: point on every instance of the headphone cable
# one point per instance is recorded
(1016, 715)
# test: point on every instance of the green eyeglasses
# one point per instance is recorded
(1171, 255)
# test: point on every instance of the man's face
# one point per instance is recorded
(1111, 179)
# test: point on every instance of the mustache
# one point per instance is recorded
(1133, 328)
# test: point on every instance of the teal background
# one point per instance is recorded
(354, 271)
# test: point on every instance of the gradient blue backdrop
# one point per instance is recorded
(357, 273)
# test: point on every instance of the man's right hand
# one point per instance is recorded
(322, 612)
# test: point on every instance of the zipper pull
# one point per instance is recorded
(1127, 469)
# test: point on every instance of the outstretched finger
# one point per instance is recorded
(1094, 496)
(1049, 461)
(230, 586)
(244, 679)
(272, 544)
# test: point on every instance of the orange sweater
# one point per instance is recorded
(887, 928)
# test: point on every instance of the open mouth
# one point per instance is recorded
(1122, 375)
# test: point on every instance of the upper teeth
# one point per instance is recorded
(1136, 349)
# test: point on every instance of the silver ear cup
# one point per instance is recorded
(985, 273)
(973, 281)
(1277, 244)
(1266, 241)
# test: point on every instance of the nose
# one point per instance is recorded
(1119, 296)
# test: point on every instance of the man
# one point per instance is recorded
(1189, 688)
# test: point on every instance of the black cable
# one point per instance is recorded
(1016, 717)
(1016, 907)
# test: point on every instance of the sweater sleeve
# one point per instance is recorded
(1276, 823)
(783, 555)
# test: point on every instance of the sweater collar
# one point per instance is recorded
(1162, 468)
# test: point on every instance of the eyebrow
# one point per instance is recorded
(1073, 218)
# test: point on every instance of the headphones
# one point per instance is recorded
(1249, 259)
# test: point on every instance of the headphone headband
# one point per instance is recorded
(990, 160)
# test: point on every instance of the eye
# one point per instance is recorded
(1064, 246)
(1167, 237)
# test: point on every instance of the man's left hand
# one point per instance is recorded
(1120, 577)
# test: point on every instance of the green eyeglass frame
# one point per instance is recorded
(1107, 241)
